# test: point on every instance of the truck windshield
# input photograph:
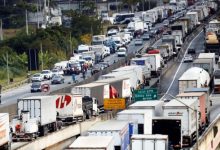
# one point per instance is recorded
(97, 42)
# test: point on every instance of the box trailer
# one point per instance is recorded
(166, 50)
(194, 18)
(118, 129)
(210, 56)
(140, 120)
(37, 116)
(194, 77)
(205, 64)
(93, 143)
(99, 91)
(149, 142)
(4, 131)
(202, 106)
(154, 105)
(155, 61)
(180, 109)
(122, 85)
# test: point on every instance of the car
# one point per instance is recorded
(101, 66)
(36, 87)
(138, 42)
(122, 52)
(57, 79)
(188, 58)
(47, 74)
(146, 36)
(166, 23)
(37, 77)
(89, 60)
(57, 72)
(191, 51)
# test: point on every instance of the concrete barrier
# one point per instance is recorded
(63, 134)
(210, 139)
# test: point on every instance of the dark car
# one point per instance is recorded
(191, 51)
(57, 79)
(146, 36)
(101, 66)
(36, 87)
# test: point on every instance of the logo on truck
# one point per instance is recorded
(63, 101)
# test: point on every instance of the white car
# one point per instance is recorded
(57, 72)
(138, 42)
(188, 58)
(38, 77)
(122, 52)
(47, 74)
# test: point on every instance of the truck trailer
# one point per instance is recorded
(4, 131)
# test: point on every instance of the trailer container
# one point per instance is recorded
(118, 129)
(4, 131)
(93, 143)
(205, 64)
(155, 106)
(140, 120)
(149, 142)
(194, 78)
(184, 110)
(210, 56)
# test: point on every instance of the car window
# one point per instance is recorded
(37, 75)
(44, 72)
(54, 71)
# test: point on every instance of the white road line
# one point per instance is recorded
(180, 65)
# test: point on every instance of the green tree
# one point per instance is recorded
(131, 4)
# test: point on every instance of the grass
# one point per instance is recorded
(9, 33)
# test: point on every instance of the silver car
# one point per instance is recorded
(138, 42)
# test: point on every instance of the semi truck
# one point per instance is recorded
(170, 39)
(206, 64)
(194, 18)
(97, 91)
(149, 142)
(155, 61)
(4, 131)
(36, 117)
(73, 107)
(212, 44)
(139, 120)
(209, 56)
(93, 142)
(194, 77)
(184, 110)
(166, 51)
(155, 107)
(118, 129)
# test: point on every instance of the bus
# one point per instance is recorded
(123, 18)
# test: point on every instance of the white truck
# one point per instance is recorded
(172, 40)
(154, 107)
(194, 77)
(166, 51)
(100, 51)
(180, 110)
(118, 129)
(73, 107)
(97, 91)
(194, 18)
(93, 142)
(149, 142)
(83, 48)
(139, 120)
(155, 61)
(89, 57)
(36, 117)
(98, 39)
(133, 78)
(149, 16)
(139, 26)
(209, 56)
(4, 131)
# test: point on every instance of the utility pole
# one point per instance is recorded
(42, 55)
(143, 5)
(26, 22)
(1, 31)
(70, 42)
(4, 3)
(117, 5)
(7, 67)
(37, 15)
(149, 4)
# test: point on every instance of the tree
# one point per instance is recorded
(131, 3)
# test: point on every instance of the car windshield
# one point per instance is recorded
(45, 72)
(36, 75)
(87, 58)
(36, 85)
(54, 71)
(56, 77)
(117, 42)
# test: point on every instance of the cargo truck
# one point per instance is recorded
(209, 56)
(4, 131)
(178, 31)
(170, 39)
(194, 77)
(206, 64)
(121, 84)
(201, 97)
(200, 14)
(36, 117)
(216, 79)
(155, 61)
(139, 120)
(118, 129)
(149, 142)
(72, 108)
(154, 106)
(166, 51)
(212, 44)
(208, 101)
(97, 91)
(93, 143)
(194, 18)
(189, 24)
(170, 126)
(184, 110)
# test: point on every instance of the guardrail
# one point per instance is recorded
(15, 84)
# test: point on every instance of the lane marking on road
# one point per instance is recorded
(180, 65)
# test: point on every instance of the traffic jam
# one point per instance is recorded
(142, 121)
